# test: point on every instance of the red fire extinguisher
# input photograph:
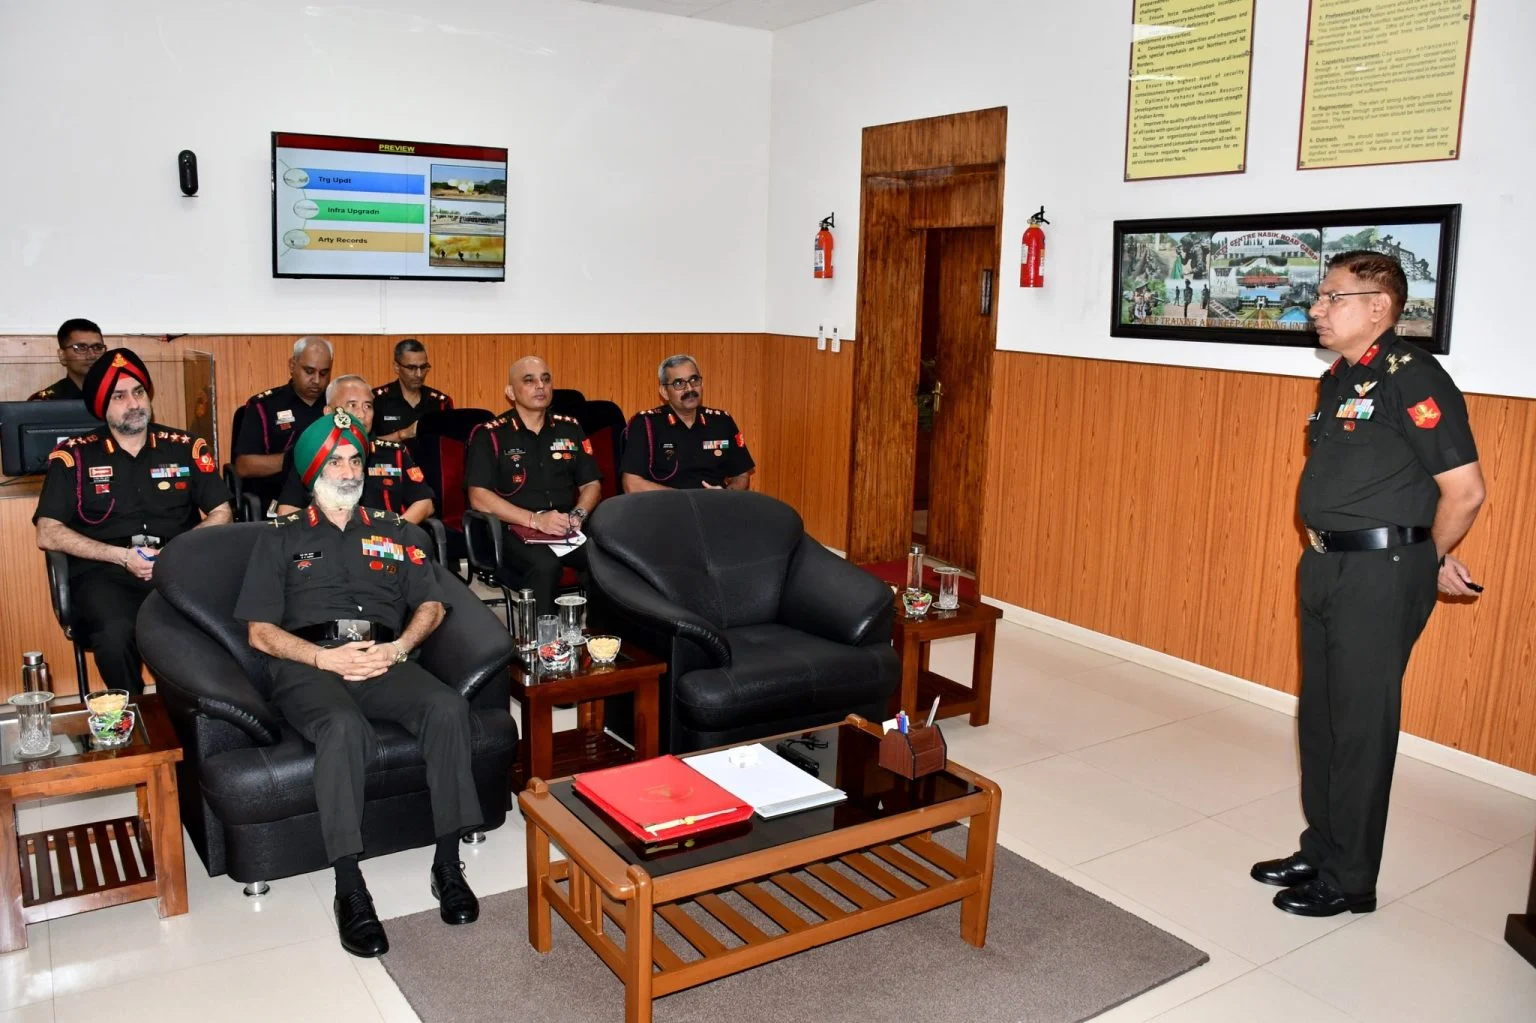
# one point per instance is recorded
(823, 260)
(1032, 267)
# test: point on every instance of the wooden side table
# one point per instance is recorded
(1520, 928)
(919, 686)
(545, 753)
(139, 857)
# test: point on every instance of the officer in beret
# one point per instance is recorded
(277, 415)
(398, 405)
(340, 597)
(392, 481)
(113, 499)
(680, 444)
(533, 469)
(80, 345)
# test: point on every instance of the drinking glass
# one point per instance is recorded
(34, 725)
(949, 588)
(549, 629)
(573, 618)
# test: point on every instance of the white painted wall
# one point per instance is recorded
(1060, 68)
(638, 160)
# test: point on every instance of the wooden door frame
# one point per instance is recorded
(936, 172)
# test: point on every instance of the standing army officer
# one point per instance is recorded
(112, 500)
(339, 596)
(1391, 486)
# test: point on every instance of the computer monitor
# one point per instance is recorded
(29, 430)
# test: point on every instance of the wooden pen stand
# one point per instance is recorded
(914, 753)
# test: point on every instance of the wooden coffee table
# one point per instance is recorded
(139, 857)
(545, 753)
(884, 827)
(919, 686)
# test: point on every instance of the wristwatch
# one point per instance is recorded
(579, 514)
(400, 655)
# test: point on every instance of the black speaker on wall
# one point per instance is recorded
(186, 168)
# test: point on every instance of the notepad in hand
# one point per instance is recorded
(757, 775)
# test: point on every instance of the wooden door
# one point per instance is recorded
(938, 172)
(967, 333)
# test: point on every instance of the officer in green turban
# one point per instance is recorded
(340, 596)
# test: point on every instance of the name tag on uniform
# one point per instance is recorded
(383, 547)
(285, 416)
(1356, 408)
(101, 472)
(309, 556)
(383, 470)
(161, 472)
(1314, 417)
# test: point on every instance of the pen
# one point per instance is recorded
(680, 821)
(140, 552)
(933, 712)
(901, 721)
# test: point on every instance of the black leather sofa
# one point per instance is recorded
(246, 780)
(763, 629)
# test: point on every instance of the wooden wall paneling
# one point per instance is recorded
(807, 416)
(1157, 504)
(973, 137)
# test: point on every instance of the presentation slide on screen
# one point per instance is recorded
(347, 207)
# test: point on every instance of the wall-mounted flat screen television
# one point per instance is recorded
(387, 210)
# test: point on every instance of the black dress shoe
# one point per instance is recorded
(1319, 898)
(456, 904)
(358, 924)
(1291, 870)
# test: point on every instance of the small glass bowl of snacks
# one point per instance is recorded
(604, 649)
(111, 719)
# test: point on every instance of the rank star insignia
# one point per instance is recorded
(1396, 362)
(1365, 388)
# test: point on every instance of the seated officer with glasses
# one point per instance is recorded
(80, 345)
(397, 406)
(681, 445)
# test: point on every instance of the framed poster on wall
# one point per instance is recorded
(1252, 279)
(1384, 82)
(1187, 99)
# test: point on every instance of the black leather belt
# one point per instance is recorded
(1331, 541)
(347, 630)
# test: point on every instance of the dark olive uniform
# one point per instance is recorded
(660, 447)
(100, 491)
(1383, 429)
(59, 390)
(392, 413)
(272, 420)
(306, 572)
(393, 481)
(536, 471)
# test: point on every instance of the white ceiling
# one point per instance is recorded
(769, 14)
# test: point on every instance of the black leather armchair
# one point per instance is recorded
(763, 629)
(246, 781)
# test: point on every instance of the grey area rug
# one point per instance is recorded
(1054, 954)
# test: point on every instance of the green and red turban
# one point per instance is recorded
(316, 444)
(102, 378)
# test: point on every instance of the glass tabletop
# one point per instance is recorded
(70, 734)
(846, 758)
(533, 672)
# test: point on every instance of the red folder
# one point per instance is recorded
(661, 791)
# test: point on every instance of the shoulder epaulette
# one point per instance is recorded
(172, 435)
(287, 520)
(435, 393)
(75, 442)
(379, 391)
(264, 394)
(382, 443)
(717, 411)
(43, 395)
(557, 417)
(492, 424)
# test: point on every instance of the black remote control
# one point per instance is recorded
(808, 764)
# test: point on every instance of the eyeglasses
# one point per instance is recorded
(681, 384)
(1334, 296)
(414, 369)
(81, 348)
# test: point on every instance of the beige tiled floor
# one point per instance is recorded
(1149, 791)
